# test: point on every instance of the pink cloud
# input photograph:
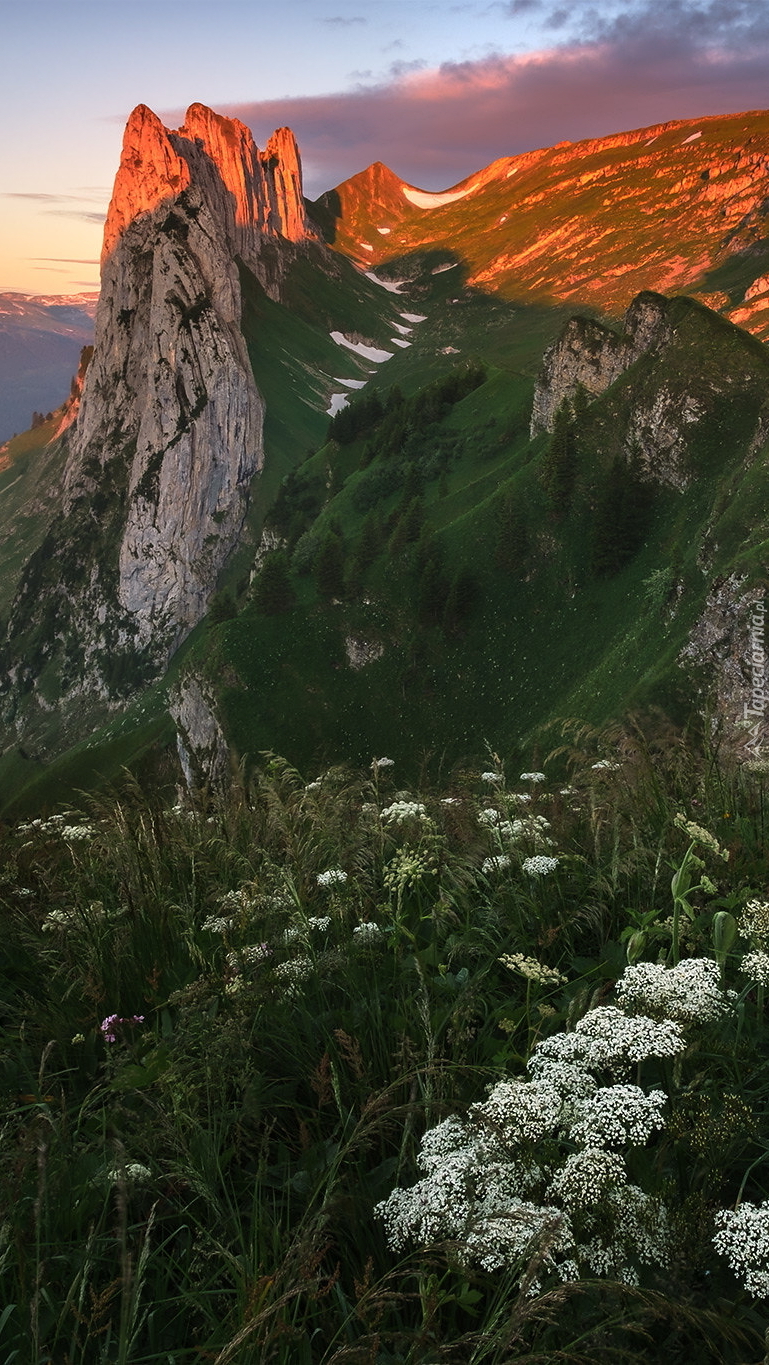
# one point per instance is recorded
(436, 127)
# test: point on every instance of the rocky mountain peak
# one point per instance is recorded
(252, 194)
(150, 172)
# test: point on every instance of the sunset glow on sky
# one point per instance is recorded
(436, 91)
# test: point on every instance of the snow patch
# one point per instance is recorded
(385, 231)
(404, 331)
(392, 286)
(503, 219)
(651, 140)
(338, 401)
(449, 350)
(439, 269)
(365, 246)
(434, 201)
(398, 341)
(414, 317)
(351, 383)
(513, 171)
(370, 352)
(693, 138)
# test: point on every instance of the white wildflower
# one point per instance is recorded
(618, 1115)
(520, 798)
(754, 922)
(319, 922)
(492, 778)
(539, 866)
(132, 1173)
(293, 973)
(497, 863)
(77, 834)
(605, 765)
(534, 970)
(755, 966)
(585, 1177)
(368, 932)
(702, 836)
(743, 1238)
(688, 992)
(382, 763)
(333, 877)
(489, 816)
(216, 924)
(532, 777)
(401, 811)
(519, 1111)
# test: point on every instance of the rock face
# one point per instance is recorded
(168, 434)
(200, 742)
(590, 356)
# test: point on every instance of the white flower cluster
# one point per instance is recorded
(382, 763)
(534, 970)
(619, 1116)
(701, 836)
(489, 816)
(755, 965)
(743, 1238)
(321, 923)
(494, 779)
(367, 932)
(217, 924)
(539, 866)
(293, 973)
(506, 1183)
(604, 765)
(237, 902)
(497, 863)
(532, 777)
(605, 1040)
(249, 955)
(333, 877)
(754, 922)
(587, 1175)
(690, 992)
(401, 811)
(132, 1173)
(74, 918)
(520, 798)
(530, 827)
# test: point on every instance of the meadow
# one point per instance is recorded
(340, 1070)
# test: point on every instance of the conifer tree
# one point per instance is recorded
(273, 592)
(559, 468)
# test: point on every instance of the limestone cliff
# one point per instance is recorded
(168, 435)
(590, 356)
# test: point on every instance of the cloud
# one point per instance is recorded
(81, 214)
(342, 21)
(632, 64)
(64, 260)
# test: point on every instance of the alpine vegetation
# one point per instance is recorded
(321, 1071)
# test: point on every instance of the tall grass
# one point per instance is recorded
(302, 978)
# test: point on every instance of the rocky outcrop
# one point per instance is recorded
(201, 745)
(727, 648)
(589, 356)
(165, 431)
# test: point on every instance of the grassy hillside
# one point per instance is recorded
(438, 590)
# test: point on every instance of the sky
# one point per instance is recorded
(435, 90)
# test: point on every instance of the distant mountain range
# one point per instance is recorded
(396, 471)
(41, 337)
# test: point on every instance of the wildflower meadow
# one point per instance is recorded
(340, 1067)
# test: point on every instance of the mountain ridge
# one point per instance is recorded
(502, 464)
